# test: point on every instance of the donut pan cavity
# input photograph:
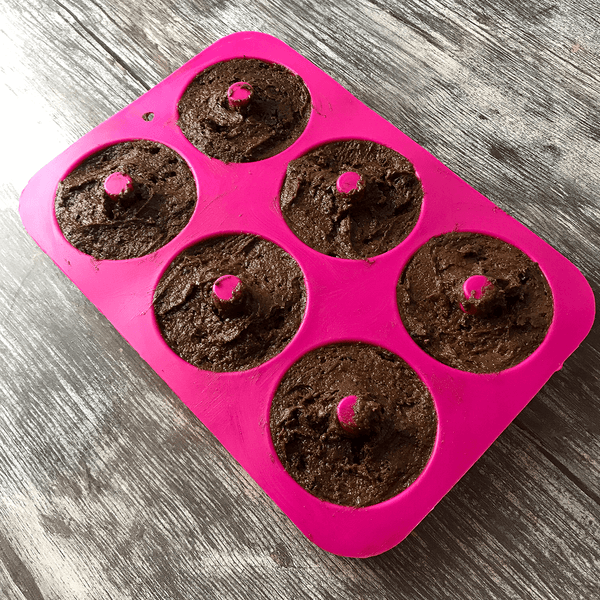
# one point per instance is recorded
(346, 300)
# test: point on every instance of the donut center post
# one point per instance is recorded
(118, 185)
(474, 287)
(350, 183)
(239, 94)
(228, 295)
(345, 414)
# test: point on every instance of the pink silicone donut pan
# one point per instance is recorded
(347, 300)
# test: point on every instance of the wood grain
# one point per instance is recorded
(110, 488)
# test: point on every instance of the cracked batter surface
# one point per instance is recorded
(351, 226)
(509, 321)
(274, 118)
(265, 322)
(394, 412)
(160, 206)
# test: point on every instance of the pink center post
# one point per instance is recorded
(227, 292)
(349, 183)
(117, 185)
(345, 413)
(239, 94)
(474, 287)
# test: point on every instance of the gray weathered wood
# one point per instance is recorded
(110, 488)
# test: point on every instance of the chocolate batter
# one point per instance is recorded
(359, 225)
(394, 413)
(262, 321)
(272, 120)
(157, 209)
(509, 321)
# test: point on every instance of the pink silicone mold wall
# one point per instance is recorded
(347, 300)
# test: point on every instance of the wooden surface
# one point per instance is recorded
(110, 488)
